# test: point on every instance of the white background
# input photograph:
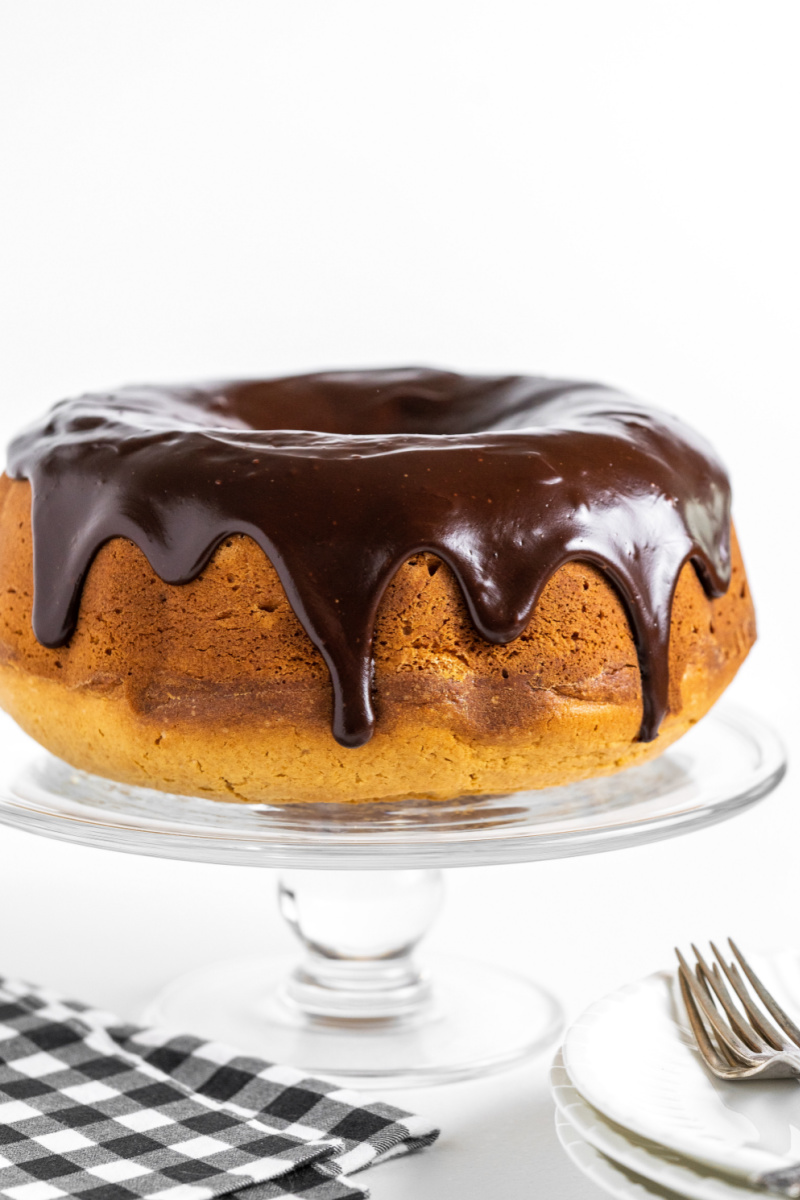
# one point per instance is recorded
(195, 188)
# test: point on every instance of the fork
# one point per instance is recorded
(750, 1040)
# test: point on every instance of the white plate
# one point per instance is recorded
(608, 1175)
(656, 1164)
(632, 1056)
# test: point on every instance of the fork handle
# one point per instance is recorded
(785, 1182)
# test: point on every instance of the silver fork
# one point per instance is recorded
(751, 1039)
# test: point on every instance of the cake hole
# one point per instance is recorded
(433, 567)
(505, 673)
(58, 664)
(576, 636)
(742, 593)
(270, 608)
(407, 630)
(585, 585)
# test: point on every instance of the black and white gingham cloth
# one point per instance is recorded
(95, 1108)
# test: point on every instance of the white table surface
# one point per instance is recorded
(112, 928)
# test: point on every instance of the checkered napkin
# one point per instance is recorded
(95, 1108)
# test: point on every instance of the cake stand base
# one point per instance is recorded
(478, 1019)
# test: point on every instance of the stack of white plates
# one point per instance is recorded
(638, 1112)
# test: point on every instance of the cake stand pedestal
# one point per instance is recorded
(361, 884)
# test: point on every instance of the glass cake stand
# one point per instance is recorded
(361, 884)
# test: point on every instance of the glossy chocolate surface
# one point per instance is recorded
(341, 477)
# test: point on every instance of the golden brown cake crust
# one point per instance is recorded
(213, 687)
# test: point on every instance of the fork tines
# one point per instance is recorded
(740, 1031)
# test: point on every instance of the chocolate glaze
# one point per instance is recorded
(342, 477)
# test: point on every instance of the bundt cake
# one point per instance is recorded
(361, 586)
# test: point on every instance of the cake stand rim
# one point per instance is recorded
(386, 850)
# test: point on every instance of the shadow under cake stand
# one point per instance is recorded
(361, 884)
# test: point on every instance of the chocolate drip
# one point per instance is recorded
(340, 478)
